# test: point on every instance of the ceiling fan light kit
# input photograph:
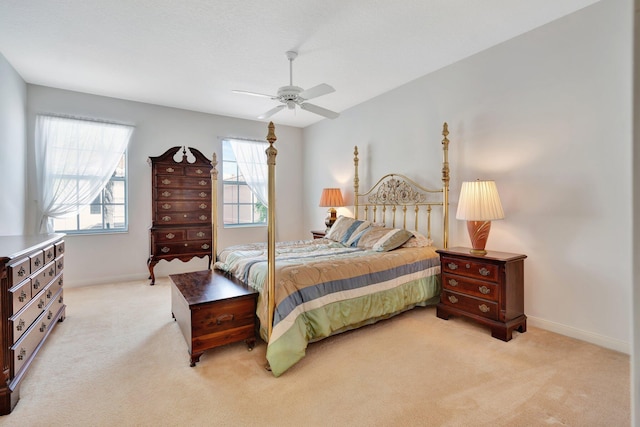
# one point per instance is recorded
(291, 96)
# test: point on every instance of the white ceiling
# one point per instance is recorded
(192, 53)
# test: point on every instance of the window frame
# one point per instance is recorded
(237, 183)
(125, 204)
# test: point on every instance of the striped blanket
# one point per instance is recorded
(323, 288)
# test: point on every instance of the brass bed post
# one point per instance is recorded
(214, 208)
(356, 182)
(445, 184)
(271, 233)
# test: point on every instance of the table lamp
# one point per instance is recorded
(331, 198)
(479, 204)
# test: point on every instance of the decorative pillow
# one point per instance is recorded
(417, 241)
(345, 227)
(382, 239)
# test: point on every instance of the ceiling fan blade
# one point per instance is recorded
(271, 112)
(319, 110)
(316, 91)
(245, 92)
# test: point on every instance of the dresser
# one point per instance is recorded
(486, 288)
(31, 304)
(181, 207)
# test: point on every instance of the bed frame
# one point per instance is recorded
(380, 203)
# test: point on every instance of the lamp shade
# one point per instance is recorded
(331, 198)
(479, 201)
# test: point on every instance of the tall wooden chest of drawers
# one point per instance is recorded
(486, 288)
(32, 303)
(181, 207)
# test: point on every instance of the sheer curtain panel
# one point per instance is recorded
(75, 158)
(252, 162)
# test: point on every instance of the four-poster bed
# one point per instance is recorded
(367, 268)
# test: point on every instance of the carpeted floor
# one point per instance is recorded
(120, 359)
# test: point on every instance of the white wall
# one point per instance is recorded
(547, 116)
(635, 367)
(111, 257)
(13, 150)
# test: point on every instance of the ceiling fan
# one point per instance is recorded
(291, 95)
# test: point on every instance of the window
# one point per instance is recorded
(244, 171)
(107, 213)
(81, 168)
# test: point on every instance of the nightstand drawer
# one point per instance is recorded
(471, 305)
(465, 267)
(478, 288)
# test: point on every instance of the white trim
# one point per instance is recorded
(593, 338)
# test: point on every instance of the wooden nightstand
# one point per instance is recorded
(486, 288)
(318, 234)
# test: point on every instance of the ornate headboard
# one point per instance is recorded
(400, 202)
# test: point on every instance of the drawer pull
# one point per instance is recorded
(205, 246)
(203, 194)
(452, 266)
(49, 294)
(185, 215)
(170, 236)
(21, 272)
(224, 318)
(166, 181)
(484, 290)
(43, 327)
(52, 272)
(199, 171)
(36, 284)
(186, 244)
(483, 308)
(200, 234)
(37, 262)
(22, 353)
(41, 304)
(203, 206)
(60, 282)
(203, 182)
(22, 296)
(202, 217)
(453, 282)
(50, 315)
(166, 193)
(484, 272)
(166, 206)
(20, 325)
(166, 218)
(165, 249)
(61, 249)
(170, 170)
(453, 299)
(49, 255)
(60, 265)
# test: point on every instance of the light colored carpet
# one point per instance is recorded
(120, 359)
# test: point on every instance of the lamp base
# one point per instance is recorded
(478, 233)
(331, 218)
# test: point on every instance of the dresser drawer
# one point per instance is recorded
(199, 234)
(56, 305)
(37, 261)
(49, 254)
(468, 286)
(170, 218)
(43, 278)
(59, 247)
(170, 235)
(20, 295)
(181, 194)
(480, 307)
(167, 181)
(21, 321)
(181, 248)
(54, 287)
(168, 169)
(180, 206)
(24, 348)
(19, 270)
(197, 171)
(59, 264)
(470, 268)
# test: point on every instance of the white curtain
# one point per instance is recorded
(251, 157)
(75, 158)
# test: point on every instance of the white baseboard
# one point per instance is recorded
(597, 339)
(110, 279)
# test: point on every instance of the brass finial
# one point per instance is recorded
(271, 136)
